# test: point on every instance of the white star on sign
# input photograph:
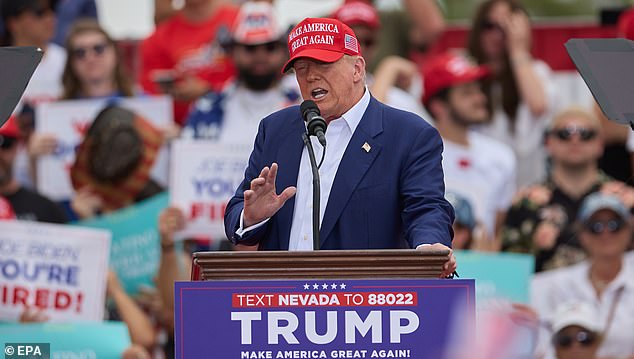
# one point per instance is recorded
(324, 286)
(315, 286)
(343, 286)
(333, 286)
(306, 286)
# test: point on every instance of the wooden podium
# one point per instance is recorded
(327, 264)
(321, 304)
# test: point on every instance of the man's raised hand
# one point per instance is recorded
(261, 201)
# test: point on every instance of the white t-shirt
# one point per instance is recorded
(483, 172)
(244, 110)
(527, 138)
(572, 284)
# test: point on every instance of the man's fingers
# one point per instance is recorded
(272, 173)
(248, 195)
(264, 173)
(257, 182)
(286, 194)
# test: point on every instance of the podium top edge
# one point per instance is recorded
(324, 253)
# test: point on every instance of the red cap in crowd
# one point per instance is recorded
(447, 70)
(256, 24)
(357, 12)
(6, 211)
(625, 25)
(321, 39)
(10, 128)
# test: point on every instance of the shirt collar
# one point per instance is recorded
(353, 116)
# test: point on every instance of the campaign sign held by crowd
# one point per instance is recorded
(203, 178)
(320, 318)
(69, 120)
(55, 268)
(135, 249)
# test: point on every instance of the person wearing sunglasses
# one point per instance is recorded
(576, 331)
(541, 219)
(521, 94)
(256, 47)
(605, 281)
(94, 68)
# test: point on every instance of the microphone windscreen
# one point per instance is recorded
(308, 105)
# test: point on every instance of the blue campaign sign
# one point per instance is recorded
(497, 275)
(71, 340)
(321, 318)
(135, 247)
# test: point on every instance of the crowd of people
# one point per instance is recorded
(524, 172)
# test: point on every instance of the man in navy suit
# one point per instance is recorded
(381, 179)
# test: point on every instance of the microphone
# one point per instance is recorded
(315, 123)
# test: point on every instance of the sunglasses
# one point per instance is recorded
(269, 47)
(566, 133)
(598, 227)
(490, 25)
(80, 53)
(7, 142)
(583, 337)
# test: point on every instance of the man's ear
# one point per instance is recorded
(359, 69)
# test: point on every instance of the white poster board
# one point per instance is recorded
(68, 121)
(56, 268)
(203, 178)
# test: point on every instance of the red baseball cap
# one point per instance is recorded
(357, 12)
(447, 70)
(256, 24)
(321, 39)
(10, 128)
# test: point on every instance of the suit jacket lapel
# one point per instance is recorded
(355, 163)
(288, 158)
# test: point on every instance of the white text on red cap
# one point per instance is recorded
(314, 39)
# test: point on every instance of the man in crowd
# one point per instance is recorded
(26, 204)
(480, 168)
(381, 177)
(541, 218)
(183, 56)
(258, 51)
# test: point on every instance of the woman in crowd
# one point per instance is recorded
(93, 67)
(605, 281)
(519, 92)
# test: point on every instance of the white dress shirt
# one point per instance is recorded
(338, 135)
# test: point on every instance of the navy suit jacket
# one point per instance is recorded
(389, 197)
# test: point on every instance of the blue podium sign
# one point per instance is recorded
(320, 318)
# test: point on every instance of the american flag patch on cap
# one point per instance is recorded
(350, 43)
